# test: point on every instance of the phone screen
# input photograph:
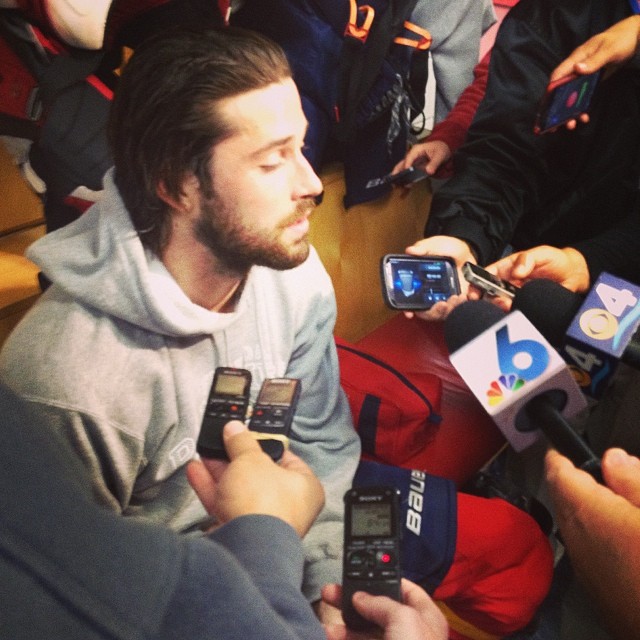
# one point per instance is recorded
(410, 282)
(564, 100)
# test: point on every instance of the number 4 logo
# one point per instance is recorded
(615, 301)
(602, 324)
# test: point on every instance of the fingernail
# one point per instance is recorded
(620, 458)
(234, 427)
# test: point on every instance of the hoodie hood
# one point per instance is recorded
(100, 261)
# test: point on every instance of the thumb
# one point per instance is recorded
(523, 265)
(237, 440)
(622, 474)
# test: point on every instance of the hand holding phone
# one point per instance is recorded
(371, 556)
(565, 99)
(417, 282)
(402, 178)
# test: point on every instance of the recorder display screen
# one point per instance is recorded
(230, 385)
(276, 393)
(371, 519)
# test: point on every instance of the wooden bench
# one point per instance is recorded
(21, 223)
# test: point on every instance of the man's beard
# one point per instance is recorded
(238, 248)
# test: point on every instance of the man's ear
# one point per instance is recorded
(186, 200)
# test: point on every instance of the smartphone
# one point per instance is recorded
(487, 282)
(402, 178)
(273, 414)
(371, 556)
(228, 400)
(564, 100)
(417, 282)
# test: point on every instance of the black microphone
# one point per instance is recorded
(592, 334)
(519, 379)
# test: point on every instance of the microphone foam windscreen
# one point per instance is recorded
(468, 320)
(549, 306)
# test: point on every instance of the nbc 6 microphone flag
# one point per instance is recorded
(507, 365)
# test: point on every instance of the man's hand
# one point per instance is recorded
(600, 527)
(564, 266)
(613, 46)
(443, 246)
(253, 484)
(428, 155)
(417, 619)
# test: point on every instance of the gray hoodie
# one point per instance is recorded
(121, 362)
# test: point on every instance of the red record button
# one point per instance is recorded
(384, 557)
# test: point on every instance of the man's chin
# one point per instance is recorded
(294, 257)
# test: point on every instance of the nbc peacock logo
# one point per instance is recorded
(504, 386)
(518, 362)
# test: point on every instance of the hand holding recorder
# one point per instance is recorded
(271, 418)
(418, 618)
(371, 554)
(567, 267)
(252, 483)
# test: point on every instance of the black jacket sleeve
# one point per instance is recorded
(513, 186)
(617, 251)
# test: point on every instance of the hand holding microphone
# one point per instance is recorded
(594, 333)
(518, 378)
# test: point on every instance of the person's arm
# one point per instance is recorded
(77, 566)
(502, 169)
(437, 148)
(600, 526)
(575, 267)
(612, 47)
(616, 251)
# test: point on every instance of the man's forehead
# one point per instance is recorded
(264, 115)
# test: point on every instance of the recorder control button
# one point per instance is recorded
(358, 560)
(384, 558)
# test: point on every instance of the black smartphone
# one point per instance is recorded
(228, 400)
(564, 100)
(371, 556)
(273, 414)
(402, 178)
(487, 282)
(417, 282)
